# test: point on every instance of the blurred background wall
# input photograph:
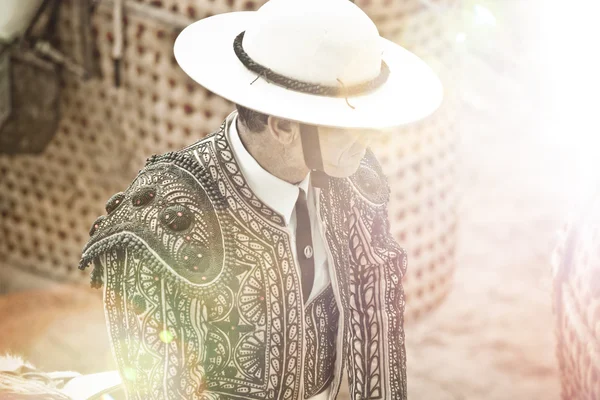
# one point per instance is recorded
(478, 189)
(106, 132)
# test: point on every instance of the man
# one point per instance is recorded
(257, 263)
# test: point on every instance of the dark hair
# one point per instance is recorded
(253, 120)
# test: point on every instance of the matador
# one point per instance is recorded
(258, 262)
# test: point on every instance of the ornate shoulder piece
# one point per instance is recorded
(370, 182)
(166, 220)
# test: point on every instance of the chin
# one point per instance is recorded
(339, 171)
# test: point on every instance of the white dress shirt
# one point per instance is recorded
(281, 196)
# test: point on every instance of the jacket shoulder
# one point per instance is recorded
(169, 212)
(369, 180)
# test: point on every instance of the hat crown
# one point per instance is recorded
(316, 41)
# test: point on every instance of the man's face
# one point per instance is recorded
(342, 149)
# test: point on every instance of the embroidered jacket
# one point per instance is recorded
(202, 292)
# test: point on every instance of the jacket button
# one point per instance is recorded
(308, 252)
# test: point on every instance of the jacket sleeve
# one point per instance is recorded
(376, 356)
(156, 257)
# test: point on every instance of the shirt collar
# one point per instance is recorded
(276, 193)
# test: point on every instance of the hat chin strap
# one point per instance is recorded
(311, 147)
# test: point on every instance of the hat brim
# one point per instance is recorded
(204, 50)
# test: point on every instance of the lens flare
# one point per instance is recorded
(129, 373)
(166, 336)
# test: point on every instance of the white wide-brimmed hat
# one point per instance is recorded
(320, 62)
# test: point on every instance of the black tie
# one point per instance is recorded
(304, 244)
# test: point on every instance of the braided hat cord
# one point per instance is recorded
(306, 87)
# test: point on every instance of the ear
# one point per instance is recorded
(283, 130)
